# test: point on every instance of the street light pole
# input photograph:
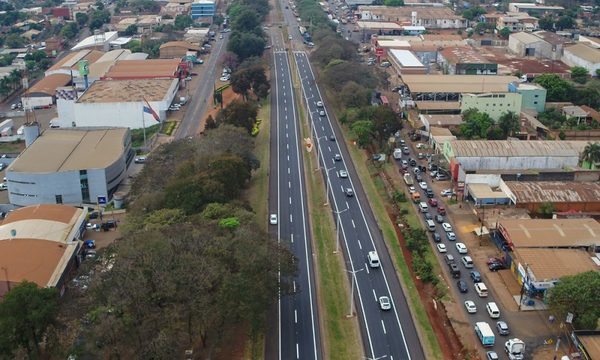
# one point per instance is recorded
(317, 151)
(337, 233)
(353, 272)
(327, 185)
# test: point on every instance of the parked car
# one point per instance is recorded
(446, 192)
(109, 224)
(411, 189)
(139, 159)
(492, 355)
(273, 219)
(496, 266)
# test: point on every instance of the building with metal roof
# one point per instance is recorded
(405, 62)
(449, 87)
(583, 55)
(464, 60)
(99, 41)
(565, 196)
(40, 244)
(145, 69)
(587, 343)
(70, 166)
(550, 233)
(430, 17)
(43, 93)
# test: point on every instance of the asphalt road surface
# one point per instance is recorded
(298, 326)
(471, 294)
(390, 334)
(201, 98)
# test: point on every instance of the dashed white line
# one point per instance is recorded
(329, 147)
(383, 326)
(291, 220)
(323, 127)
(292, 238)
(359, 244)
(374, 295)
(287, 146)
(288, 158)
(366, 268)
(296, 316)
(353, 225)
(342, 188)
(347, 205)
(290, 201)
(289, 184)
(297, 351)
(288, 171)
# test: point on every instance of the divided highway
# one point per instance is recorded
(298, 326)
(387, 334)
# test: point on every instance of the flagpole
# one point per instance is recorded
(144, 125)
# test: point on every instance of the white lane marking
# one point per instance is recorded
(287, 146)
(323, 127)
(367, 268)
(290, 201)
(289, 184)
(291, 219)
(383, 326)
(342, 188)
(278, 202)
(297, 351)
(359, 244)
(292, 238)
(285, 108)
(286, 125)
(329, 147)
(288, 158)
(296, 316)
(286, 135)
(348, 206)
(353, 224)
(284, 101)
(288, 171)
(374, 295)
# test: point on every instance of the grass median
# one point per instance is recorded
(375, 190)
(340, 335)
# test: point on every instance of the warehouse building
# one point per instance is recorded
(178, 50)
(145, 69)
(119, 103)
(69, 166)
(565, 196)
(471, 156)
(405, 62)
(493, 104)
(550, 233)
(40, 244)
(464, 60)
(583, 55)
(43, 93)
(449, 87)
(430, 17)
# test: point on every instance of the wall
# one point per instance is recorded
(121, 114)
(572, 60)
(32, 102)
(492, 104)
(533, 99)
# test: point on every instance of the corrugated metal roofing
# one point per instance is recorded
(503, 148)
(554, 191)
(544, 233)
(551, 264)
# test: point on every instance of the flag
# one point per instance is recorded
(148, 109)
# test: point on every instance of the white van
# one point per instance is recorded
(481, 289)
(493, 310)
(397, 154)
(430, 225)
(373, 259)
(423, 207)
(467, 262)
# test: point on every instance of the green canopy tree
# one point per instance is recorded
(577, 294)
(591, 153)
(26, 312)
(183, 21)
(364, 131)
(508, 123)
(558, 88)
(579, 74)
(476, 124)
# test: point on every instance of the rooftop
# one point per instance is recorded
(457, 83)
(552, 38)
(438, 131)
(48, 84)
(554, 191)
(43, 244)
(536, 6)
(106, 91)
(96, 40)
(463, 54)
(132, 69)
(504, 148)
(72, 150)
(405, 58)
(443, 120)
(545, 233)
(585, 52)
(392, 43)
(525, 37)
(70, 61)
(591, 342)
(183, 44)
(551, 264)
(574, 110)
(404, 12)
(485, 191)
(378, 25)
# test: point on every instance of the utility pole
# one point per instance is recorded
(337, 233)
(327, 185)
(317, 151)
(353, 272)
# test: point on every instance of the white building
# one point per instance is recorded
(69, 166)
(118, 103)
(582, 55)
(99, 41)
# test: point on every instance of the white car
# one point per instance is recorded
(420, 146)
(461, 248)
(343, 174)
(319, 104)
(441, 248)
(447, 227)
(471, 307)
(289, 37)
(273, 219)
(3, 186)
(446, 192)
(224, 78)
(412, 190)
(139, 159)
(385, 303)
(321, 113)
(423, 185)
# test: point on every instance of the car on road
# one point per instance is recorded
(220, 36)
(427, 216)
(423, 185)
(224, 78)
(349, 192)
(405, 151)
(462, 286)
(461, 248)
(447, 227)
(471, 307)
(337, 157)
(451, 236)
(433, 202)
(475, 276)
(492, 355)
(321, 113)
(502, 328)
(446, 192)
(289, 37)
(343, 174)
(385, 303)
(420, 146)
(436, 237)
(441, 210)
(449, 258)
(439, 219)
(418, 177)
(429, 193)
(139, 159)
(331, 137)
(319, 104)
(412, 189)
(441, 248)
(273, 219)
(494, 260)
(404, 165)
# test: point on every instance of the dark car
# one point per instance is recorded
(462, 286)
(454, 271)
(418, 177)
(337, 157)
(109, 224)
(502, 328)
(439, 219)
(476, 276)
(412, 162)
(427, 216)
(449, 259)
(430, 193)
(432, 202)
(496, 266)
(437, 238)
(94, 215)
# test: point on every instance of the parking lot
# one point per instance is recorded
(531, 326)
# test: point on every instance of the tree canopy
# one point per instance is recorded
(558, 88)
(578, 295)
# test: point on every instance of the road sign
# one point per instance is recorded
(102, 200)
(308, 143)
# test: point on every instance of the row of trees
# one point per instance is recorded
(561, 90)
(247, 38)
(479, 125)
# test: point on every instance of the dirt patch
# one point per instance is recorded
(228, 97)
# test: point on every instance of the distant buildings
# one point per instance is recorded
(534, 9)
(583, 55)
(70, 166)
(429, 17)
(203, 9)
(493, 104)
(178, 50)
(540, 44)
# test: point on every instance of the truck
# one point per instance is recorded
(408, 179)
(515, 349)
(485, 334)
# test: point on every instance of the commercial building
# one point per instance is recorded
(43, 93)
(70, 166)
(426, 16)
(493, 104)
(534, 9)
(550, 233)
(97, 41)
(119, 103)
(145, 69)
(449, 87)
(203, 9)
(565, 196)
(464, 60)
(516, 22)
(178, 50)
(405, 62)
(69, 65)
(540, 44)
(40, 244)
(471, 156)
(533, 96)
(583, 55)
